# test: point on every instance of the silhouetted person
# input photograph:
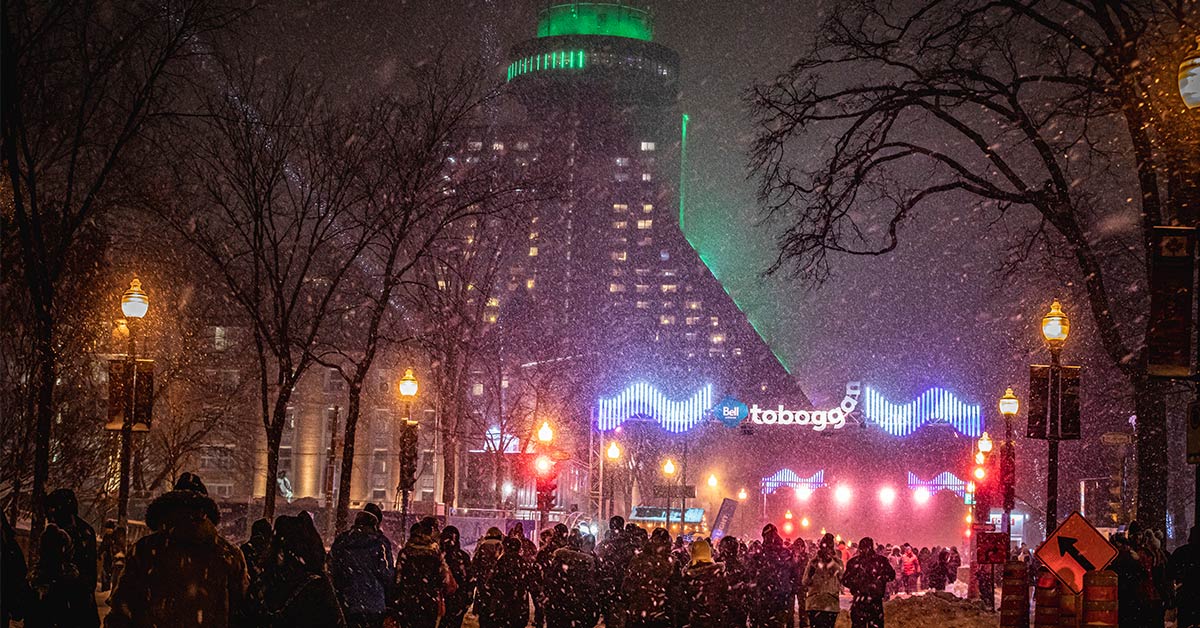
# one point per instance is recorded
(422, 578)
(1184, 570)
(61, 596)
(299, 592)
(504, 597)
(771, 575)
(358, 564)
(650, 576)
(459, 564)
(569, 586)
(867, 575)
(62, 509)
(15, 594)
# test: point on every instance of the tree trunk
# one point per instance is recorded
(449, 468)
(353, 408)
(44, 350)
(1152, 467)
(274, 436)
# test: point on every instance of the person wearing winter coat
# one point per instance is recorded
(61, 596)
(613, 556)
(650, 576)
(298, 591)
(487, 555)
(207, 583)
(770, 572)
(569, 584)
(1183, 568)
(939, 574)
(256, 548)
(729, 552)
(458, 562)
(1130, 579)
(823, 583)
(910, 570)
(799, 562)
(62, 509)
(706, 590)
(867, 575)
(504, 596)
(358, 566)
(953, 563)
(422, 579)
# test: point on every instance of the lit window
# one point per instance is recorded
(522, 146)
(620, 207)
(642, 288)
(716, 339)
(533, 251)
(691, 336)
(669, 273)
(474, 145)
(622, 161)
(491, 318)
(619, 256)
(666, 319)
(664, 255)
(642, 272)
(670, 288)
(668, 305)
(220, 341)
(692, 320)
(693, 305)
(647, 208)
(715, 321)
(646, 241)
(647, 146)
(646, 176)
(533, 235)
(441, 284)
(493, 302)
(643, 305)
(620, 224)
(529, 284)
(737, 352)
(616, 287)
(645, 224)
(621, 176)
(497, 146)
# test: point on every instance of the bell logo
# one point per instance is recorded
(730, 412)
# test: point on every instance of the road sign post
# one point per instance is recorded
(1075, 548)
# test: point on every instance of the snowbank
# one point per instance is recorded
(940, 609)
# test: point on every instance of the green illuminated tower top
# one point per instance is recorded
(595, 18)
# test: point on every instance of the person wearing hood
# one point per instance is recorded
(867, 575)
(705, 588)
(822, 581)
(939, 574)
(569, 586)
(207, 582)
(254, 550)
(374, 509)
(61, 597)
(299, 592)
(771, 575)
(504, 596)
(487, 554)
(62, 509)
(614, 555)
(729, 551)
(650, 576)
(422, 579)
(358, 565)
(458, 561)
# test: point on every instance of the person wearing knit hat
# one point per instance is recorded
(705, 588)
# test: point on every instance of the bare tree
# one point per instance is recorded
(1063, 108)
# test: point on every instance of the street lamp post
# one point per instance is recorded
(612, 453)
(1056, 326)
(134, 304)
(1009, 406)
(408, 447)
(669, 471)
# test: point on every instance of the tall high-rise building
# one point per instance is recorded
(607, 275)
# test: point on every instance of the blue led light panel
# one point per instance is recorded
(643, 401)
(936, 405)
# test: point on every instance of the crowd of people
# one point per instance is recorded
(184, 573)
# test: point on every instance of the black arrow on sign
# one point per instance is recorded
(1066, 545)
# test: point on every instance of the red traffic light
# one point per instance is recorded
(543, 464)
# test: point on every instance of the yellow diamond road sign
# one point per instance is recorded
(1074, 549)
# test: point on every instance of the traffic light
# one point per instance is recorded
(547, 482)
(1115, 502)
(408, 457)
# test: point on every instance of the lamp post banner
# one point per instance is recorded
(1172, 264)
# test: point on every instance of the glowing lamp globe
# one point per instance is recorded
(887, 495)
(787, 515)
(788, 527)
(614, 451)
(134, 302)
(842, 494)
(921, 495)
(742, 494)
(543, 464)
(712, 480)
(669, 467)
(408, 384)
(1189, 77)
(985, 444)
(545, 433)
(1056, 326)
(1009, 404)
(980, 473)
(804, 522)
(803, 492)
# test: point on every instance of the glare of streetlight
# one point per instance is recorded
(787, 515)
(543, 464)
(921, 495)
(803, 492)
(742, 494)
(545, 433)
(804, 522)
(1056, 326)
(1009, 404)
(408, 384)
(669, 467)
(985, 444)
(1189, 77)
(614, 451)
(980, 473)
(887, 495)
(842, 494)
(134, 302)
(712, 480)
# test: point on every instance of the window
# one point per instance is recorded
(333, 381)
(668, 273)
(642, 289)
(285, 459)
(645, 224)
(666, 319)
(664, 255)
(493, 302)
(474, 145)
(643, 305)
(691, 336)
(715, 321)
(379, 495)
(533, 251)
(619, 256)
(693, 305)
(491, 318)
(737, 352)
(621, 176)
(477, 389)
(221, 490)
(647, 208)
(620, 207)
(647, 146)
(220, 340)
(642, 272)
(616, 287)
(668, 305)
(670, 288)
(716, 339)
(622, 161)
(693, 320)
(379, 461)
(646, 176)
(497, 146)
(522, 146)
(529, 284)
(620, 224)
(216, 457)
(533, 235)
(646, 241)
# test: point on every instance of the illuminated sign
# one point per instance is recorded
(944, 481)
(731, 412)
(643, 401)
(817, 419)
(786, 478)
(934, 406)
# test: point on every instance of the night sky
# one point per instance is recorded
(934, 312)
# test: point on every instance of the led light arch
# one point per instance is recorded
(944, 481)
(786, 478)
(643, 401)
(935, 405)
